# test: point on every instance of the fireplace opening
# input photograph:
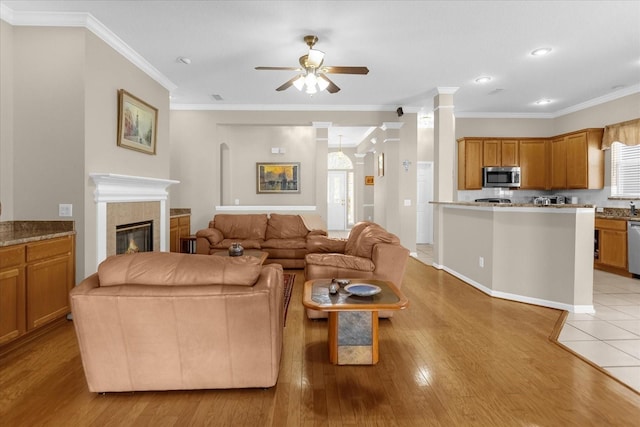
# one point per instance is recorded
(134, 237)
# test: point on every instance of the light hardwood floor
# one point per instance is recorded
(455, 357)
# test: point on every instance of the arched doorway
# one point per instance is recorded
(340, 191)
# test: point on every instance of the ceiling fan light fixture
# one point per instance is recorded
(311, 89)
(315, 58)
(299, 82)
(322, 83)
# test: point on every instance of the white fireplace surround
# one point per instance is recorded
(114, 188)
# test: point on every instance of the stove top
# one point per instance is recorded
(493, 200)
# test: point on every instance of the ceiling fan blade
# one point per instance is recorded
(287, 85)
(332, 88)
(280, 68)
(345, 70)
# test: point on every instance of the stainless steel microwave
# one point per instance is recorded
(506, 177)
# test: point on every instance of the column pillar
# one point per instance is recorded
(445, 163)
(322, 151)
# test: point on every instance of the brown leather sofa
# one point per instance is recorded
(370, 252)
(170, 321)
(284, 237)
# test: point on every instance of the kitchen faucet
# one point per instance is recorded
(633, 209)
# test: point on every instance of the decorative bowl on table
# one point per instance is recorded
(362, 289)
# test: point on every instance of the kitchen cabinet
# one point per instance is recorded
(35, 280)
(500, 152)
(469, 164)
(178, 227)
(611, 245)
(577, 162)
(534, 163)
(12, 292)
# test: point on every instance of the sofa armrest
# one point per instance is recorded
(390, 261)
(323, 244)
(313, 233)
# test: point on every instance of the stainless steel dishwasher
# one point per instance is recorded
(633, 245)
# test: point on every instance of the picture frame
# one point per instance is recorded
(137, 123)
(368, 180)
(277, 178)
(381, 164)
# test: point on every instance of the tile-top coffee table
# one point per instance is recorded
(353, 320)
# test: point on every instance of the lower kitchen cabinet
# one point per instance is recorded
(35, 280)
(611, 246)
(179, 227)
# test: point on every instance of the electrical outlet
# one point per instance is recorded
(65, 209)
(481, 262)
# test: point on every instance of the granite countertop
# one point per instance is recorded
(514, 205)
(19, 232)
(618, 213)
(176, 212)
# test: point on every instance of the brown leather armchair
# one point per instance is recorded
(370, 252)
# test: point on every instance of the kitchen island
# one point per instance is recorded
(535, 254)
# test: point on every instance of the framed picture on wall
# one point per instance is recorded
(278, 178)
(381, 164)
(137, 123)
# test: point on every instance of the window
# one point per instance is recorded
(625, 170)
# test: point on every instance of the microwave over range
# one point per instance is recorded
(506, 177)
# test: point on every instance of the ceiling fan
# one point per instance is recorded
(313, 75)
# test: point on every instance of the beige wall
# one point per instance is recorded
(59, 123)
(599, 116)
(197, 137)
(6, 121)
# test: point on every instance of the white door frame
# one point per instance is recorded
(424, 209)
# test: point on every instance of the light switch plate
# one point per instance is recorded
(65, 209)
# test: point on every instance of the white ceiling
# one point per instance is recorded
(410, 47)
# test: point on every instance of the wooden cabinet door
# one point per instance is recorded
(533, 163)
(577, 161)
(469, 164)
(174, 235)
(558, 163)
(50, 277)
(491, 155)
(473, 165)
(12, 293)
(613, 248)
(509, 152)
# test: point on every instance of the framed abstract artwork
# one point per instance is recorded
(277, 178)
(137, 123)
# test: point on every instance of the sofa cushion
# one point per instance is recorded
(340, 261)
(285, 227)
(371, 236)
(171, 269)
(299, 243)
(241, 227)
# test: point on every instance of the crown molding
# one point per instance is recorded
(88, 21)
(274, 107)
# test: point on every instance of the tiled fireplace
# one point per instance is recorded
(124, 199)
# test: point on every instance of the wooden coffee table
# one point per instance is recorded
(248, 252)
(353, 320)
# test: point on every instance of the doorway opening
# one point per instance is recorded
(340, 191)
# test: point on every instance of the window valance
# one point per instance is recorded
(627, 133)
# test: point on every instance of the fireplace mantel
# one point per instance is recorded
(114, 188)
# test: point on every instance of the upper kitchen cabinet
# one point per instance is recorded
(469, 164)
(534, 163)
(500, 152)
(577, 162)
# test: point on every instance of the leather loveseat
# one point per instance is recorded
(284, 237)
(370, 252)
(170, 321)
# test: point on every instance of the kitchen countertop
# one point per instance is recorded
(514, 205)
(618, 213)
(19, 232)
(177, 212)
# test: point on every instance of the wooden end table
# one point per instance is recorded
(248, 252)
(353, 320)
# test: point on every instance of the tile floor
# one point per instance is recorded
(610, 337)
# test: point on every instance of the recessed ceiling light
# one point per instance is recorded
(217, 97)
(541, 51)
(183, 60)
(543, 101)
(617, 87)
(483, 79)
